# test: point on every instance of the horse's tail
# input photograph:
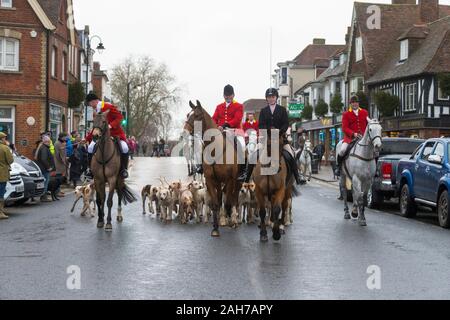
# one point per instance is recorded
(127, 195)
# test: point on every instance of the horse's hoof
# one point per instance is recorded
(144, 213)
(119, 219)
(276, 235)
(264, 238)
(362, 223)
(83, 215)
(100, 225)
(347, 216)
(108, 227)
(355, 214)
(215, 234)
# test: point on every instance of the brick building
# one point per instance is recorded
(39, 56)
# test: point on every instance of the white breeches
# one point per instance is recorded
(123, 145)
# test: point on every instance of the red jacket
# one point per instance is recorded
(232, 115)
(114, 120)
(352, 124)
(250, 126)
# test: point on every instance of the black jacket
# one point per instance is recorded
(44, 158)
(278, 120)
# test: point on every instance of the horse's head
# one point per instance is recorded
(195, 115)
(374, 131)
(101, 124)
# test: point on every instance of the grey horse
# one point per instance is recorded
(359, 170)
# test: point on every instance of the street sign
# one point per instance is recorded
(296, 110)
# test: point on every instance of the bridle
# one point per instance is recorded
(372, 139)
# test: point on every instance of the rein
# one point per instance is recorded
(101, 146)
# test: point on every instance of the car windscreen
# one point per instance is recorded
(399, 147)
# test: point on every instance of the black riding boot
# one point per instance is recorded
(249, 172)
(124, 165)
(242, 173)
(338, 166)
(296, 173)
(199, 169)
(88, 174)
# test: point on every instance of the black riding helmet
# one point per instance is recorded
(272, 92)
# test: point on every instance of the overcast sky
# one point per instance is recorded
(209, 43)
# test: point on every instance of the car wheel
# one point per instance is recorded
(408, 208)
(374, 199)
(443, 210)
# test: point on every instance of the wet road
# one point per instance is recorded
(321, 257)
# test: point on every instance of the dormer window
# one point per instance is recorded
(6, 3)
(342, 59)
(404, 50)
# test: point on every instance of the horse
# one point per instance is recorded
(359, 169)
(106, 169)
(188, 152)
(276, 189)
(221, 178)
(305, 161)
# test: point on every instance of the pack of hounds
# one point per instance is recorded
(188, 202)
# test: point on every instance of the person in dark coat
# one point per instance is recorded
(76, 164)
(274, 116)
(45, 161)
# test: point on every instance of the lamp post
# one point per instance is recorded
(100, 49)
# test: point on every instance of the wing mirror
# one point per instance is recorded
(435, 159)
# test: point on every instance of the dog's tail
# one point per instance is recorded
(127, 195)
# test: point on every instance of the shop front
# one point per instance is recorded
(417, 127)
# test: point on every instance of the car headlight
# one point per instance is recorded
(20, 169)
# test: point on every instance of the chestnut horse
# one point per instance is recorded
(106, 168)
(275, 187)
(221, 176)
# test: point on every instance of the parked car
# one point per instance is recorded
(384, 185)
(15, 188)
(33, 179)
(424, 179)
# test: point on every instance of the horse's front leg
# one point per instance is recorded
(101, 196)
(343, 190)
(110, 205)
(277, 213)
(359, 193)
(119, 208)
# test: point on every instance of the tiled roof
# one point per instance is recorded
(432, 55)
(52, 9)
(316, 51)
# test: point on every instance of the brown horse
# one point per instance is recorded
(275, 188)
(106, 168)
(222, 175)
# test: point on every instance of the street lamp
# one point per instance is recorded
(100, 48)
(128, 103)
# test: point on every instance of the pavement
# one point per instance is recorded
(322, 256)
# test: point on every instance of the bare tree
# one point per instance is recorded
(152, 94)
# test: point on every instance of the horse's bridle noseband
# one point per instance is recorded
(370, 137)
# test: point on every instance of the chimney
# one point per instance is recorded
(347, 36)
(319, 41)
(404, 2)
(429, 10)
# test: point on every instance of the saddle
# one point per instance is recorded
(349, 149)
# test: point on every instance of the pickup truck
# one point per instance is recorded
(424, 179)
(384, 186)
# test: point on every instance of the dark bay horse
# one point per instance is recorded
(106, 169)
(275, 189)
(221, 176)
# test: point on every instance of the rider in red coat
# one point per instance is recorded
(229, 114)
(354, 124)
(114, 118)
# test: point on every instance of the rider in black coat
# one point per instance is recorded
(274, 116)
